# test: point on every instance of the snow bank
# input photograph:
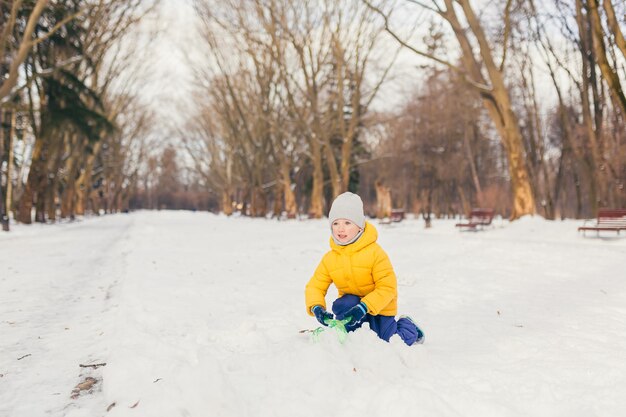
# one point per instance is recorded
(199, 315)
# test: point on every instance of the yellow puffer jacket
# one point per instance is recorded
(361, 268)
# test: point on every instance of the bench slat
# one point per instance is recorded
(608, 220)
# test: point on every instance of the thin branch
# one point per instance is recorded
(58, 26)
(10, 24)
(614, 26)
(419, 3)
(507, 31)
(485, 89)
(59, 65)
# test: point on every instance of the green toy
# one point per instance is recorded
(338, 325)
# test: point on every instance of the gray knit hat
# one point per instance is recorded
(347, 206)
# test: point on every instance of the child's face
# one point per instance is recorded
(344, 230)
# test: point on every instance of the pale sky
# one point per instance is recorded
(172, 72)
(178, 49)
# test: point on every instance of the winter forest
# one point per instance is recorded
(312, 208)
(432, 107)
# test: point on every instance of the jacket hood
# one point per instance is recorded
(369, 236)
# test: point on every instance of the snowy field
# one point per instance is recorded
(199, 315)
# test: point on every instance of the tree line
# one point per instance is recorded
(520, 106)
(71, 120)
(517, 106)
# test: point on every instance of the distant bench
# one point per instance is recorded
(396, 216)
(478, 217)
(612, 220)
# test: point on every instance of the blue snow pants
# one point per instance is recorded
(384, 326)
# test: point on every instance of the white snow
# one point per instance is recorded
(199, 315)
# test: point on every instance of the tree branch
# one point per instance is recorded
(23, 50)
(482, 88)
(58, 26)
(507, 30)
(8, 28)
(614, 25)
(419, 3)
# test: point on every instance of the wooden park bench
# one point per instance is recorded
(478, 217)
(612, 220)
(396, 215)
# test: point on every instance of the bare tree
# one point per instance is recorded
(479, 68)
(67, 88)
(24, 43)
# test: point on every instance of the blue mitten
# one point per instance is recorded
(356, 314)
(321, 314)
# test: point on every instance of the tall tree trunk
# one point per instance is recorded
(67, 201)
(258, 203)
(472, 165)
(9, 196)
(333, 171)
(40, 200)
(348, 142)
(465, 205)
(83, 184)
(277, 206)
(51, 200)
(614, 26)
(498, 105)
(95, 200)
(291, 208)
(80, 196)
(610, 74)
(52, 179)
(316, 207)
(72, 166)
(24, 214)
(25, 207)
(348, 133)
(227, 202)
(383, 200)
(592, 160)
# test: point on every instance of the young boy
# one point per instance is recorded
(363, 275)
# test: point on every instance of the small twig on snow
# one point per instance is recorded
(94, 366)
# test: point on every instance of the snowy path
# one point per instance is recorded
(198, 315)
(54, 288)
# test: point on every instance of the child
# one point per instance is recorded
(363, 275)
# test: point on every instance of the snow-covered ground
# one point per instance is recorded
(199, 315)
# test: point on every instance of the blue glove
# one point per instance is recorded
(356, 314)
(321, 314)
